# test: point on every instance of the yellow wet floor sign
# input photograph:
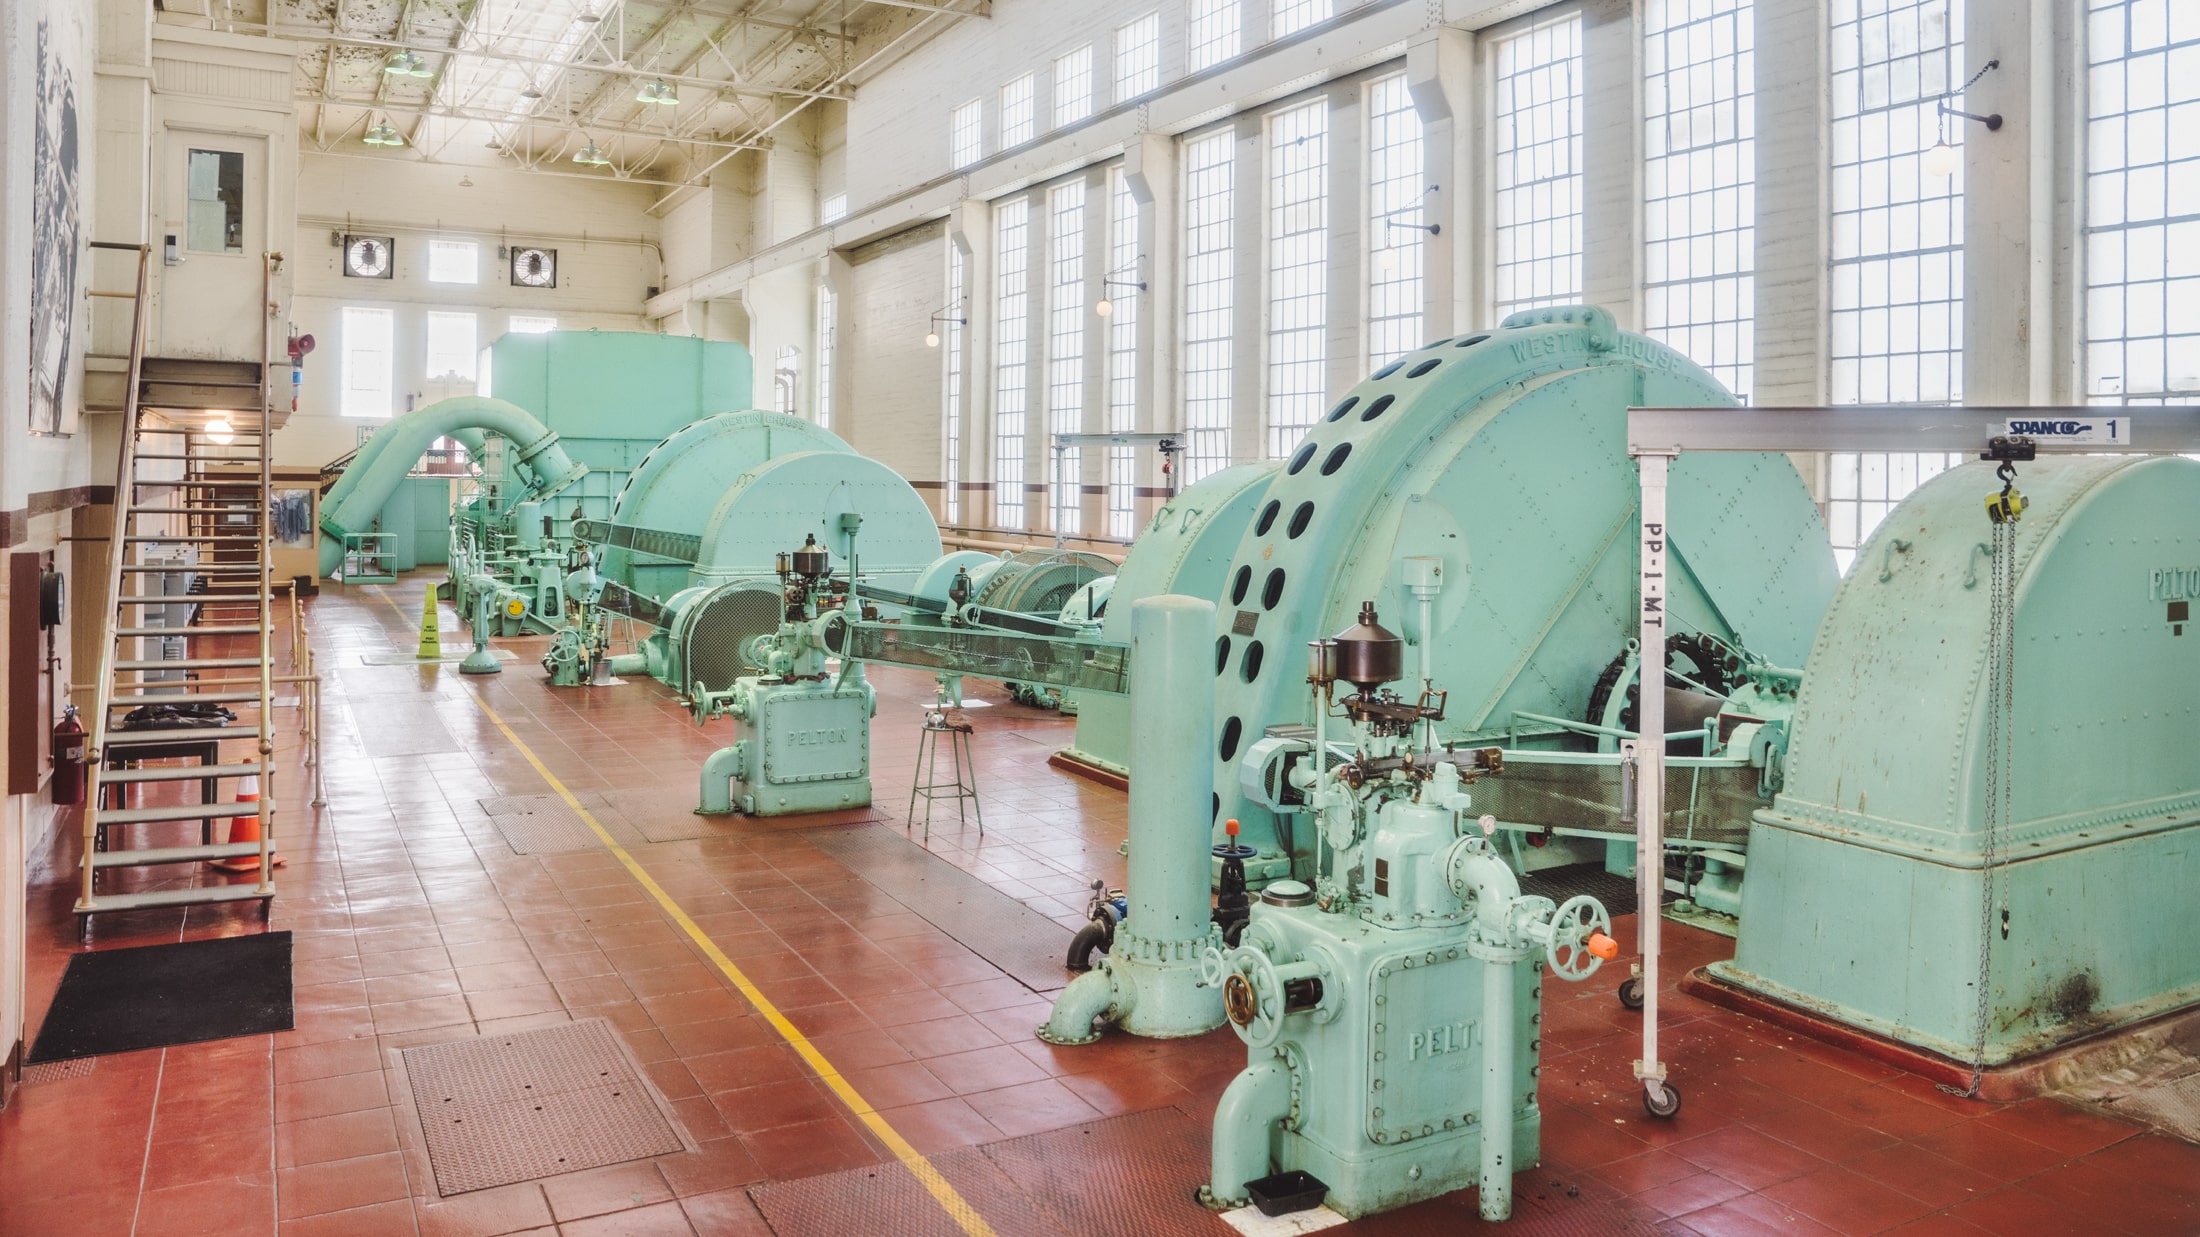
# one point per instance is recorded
(431, 642)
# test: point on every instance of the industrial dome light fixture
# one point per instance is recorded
(1105, 307)
(588, 17)
(407, 64)
(382, 134)
(591, 155)
(1942, 160)
(657, 90)
(932, 336)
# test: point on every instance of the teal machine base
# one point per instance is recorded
(802, 747)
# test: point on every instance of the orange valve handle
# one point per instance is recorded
(1603, 947)
(1230, 826)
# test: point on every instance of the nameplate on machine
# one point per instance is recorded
(2088, 431)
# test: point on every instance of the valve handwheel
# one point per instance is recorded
(1580, 940)
(1252, 996)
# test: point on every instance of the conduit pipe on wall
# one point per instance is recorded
(388, 457)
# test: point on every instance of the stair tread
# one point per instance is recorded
(171, 897)
(131, 702)
(188, 631)
(179, 734)
(155, 815)
(180, 773)
(145, 855)
(191, 663)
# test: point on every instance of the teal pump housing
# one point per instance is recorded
(1502, 455)
(1867, 901)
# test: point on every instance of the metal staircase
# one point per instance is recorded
(182, 489)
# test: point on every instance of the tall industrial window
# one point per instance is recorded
(827, 332)
(1209, 301)
(966, 135)
(1123, 310)
(2142, 318)
(1211, 36)
(1700, 183)
(786, 378)
(1065, 350)
(451, 349)
(1019, 114)
(1298, 272)
(1073, 86)
(369, 368)
(952, 328)
(1897, 269)
(1538, 136)
(1011, 357)
(1137, 57)
(1292, 16)
(1397, 225)
(454, 261)
(530, 324)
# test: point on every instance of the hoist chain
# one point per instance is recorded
(2004, 510)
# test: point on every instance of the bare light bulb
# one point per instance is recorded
(1386, 260)
(1941, 160)
(220, 433)
(1103, 307)
(931, 339)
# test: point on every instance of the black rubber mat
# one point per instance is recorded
(156, 996)
(1022, 942)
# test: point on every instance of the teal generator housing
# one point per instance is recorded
(1864, 902)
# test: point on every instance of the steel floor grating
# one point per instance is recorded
(1617, 893)
(506, 1108)
(59, 1071)
(543, 824)
(1027, 945)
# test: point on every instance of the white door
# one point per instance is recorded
(214, 210)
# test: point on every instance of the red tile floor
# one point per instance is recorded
(415, 923)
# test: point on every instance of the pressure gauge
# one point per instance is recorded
(369, 257)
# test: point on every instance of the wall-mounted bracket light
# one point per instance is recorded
(1941, 160)
(1104, 306)
(932, 336)
(1386, 258)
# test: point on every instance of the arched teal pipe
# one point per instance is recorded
(374, 475)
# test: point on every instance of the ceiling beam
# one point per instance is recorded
(494, 117)
(700, 83)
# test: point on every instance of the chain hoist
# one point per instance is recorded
(2003, 510)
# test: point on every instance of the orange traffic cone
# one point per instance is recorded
(245, 829)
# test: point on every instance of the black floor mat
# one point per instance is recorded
(155, 996)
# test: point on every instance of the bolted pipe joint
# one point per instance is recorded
(1245, 1128)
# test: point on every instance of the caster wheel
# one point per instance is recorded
(1670, 1105)
(1630, 993)
(1090, 938)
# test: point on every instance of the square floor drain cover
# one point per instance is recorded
(540, 824)
(517, 1107)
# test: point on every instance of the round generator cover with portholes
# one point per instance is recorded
(1040, 581)
(1503, 455)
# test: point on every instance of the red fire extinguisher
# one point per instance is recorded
(68, 759)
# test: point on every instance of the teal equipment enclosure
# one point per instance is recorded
(1866, 902)
(605, 397)
(1503, 454)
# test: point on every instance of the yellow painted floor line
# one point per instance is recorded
(941, 1190)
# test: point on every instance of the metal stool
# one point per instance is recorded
(928, 785)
